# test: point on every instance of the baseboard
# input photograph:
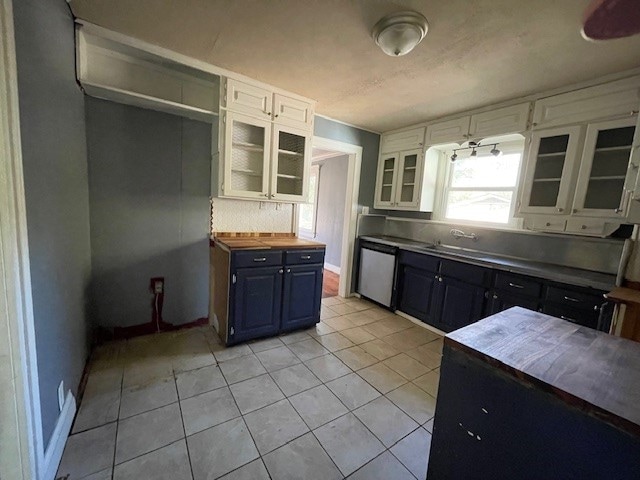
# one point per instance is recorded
(332, 268)
(53, 455)
(420, 323)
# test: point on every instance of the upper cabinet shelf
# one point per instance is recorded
(121, 73)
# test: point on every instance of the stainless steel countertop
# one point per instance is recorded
(556, 273)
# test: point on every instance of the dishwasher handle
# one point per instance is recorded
(379, 247)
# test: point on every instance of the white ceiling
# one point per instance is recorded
(477, 52)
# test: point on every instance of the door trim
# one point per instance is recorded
(350, 208)
(24, 458)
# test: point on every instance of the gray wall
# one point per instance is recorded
(370, 143)
(332, 195)
(149, 183)
(55, 177)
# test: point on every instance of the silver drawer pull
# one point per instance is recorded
(571, 299)
(260, 259)
(515, 285)
(568, 319)
(305, 257)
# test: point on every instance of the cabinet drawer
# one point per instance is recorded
(517, 284)
(587, 319)
(407, 140)
(545, 224)
(573, 299)
(296, 257)
(468, 273)
(257, 258)
(587, 226)
(420, 261)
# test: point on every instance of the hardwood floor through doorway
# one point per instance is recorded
(330, 282)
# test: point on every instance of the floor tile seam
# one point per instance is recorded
(151, 451)
(402, 463)
(372, 386)
(180, 399)
(184, 429)
(329, 421)
(378, 456)
(248, 431)
(115, 443)
(148, 411)
(407, 413)
(371, 431)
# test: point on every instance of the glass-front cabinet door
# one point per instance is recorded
(386, 181)
(550, 171)
(409, 173)
(289, 171)
(246, 149)
(607, 176)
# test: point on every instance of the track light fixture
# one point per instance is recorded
(473, 146)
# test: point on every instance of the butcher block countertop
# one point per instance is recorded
(596, 372)
(264, 242)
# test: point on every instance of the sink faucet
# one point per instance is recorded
(458, 234)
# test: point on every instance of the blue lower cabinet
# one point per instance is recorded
(301, 296)
(417, 293)
(459, 304)
(257, 303)
(499, 301)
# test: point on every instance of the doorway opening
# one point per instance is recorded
(331, 214)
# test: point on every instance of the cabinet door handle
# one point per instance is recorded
(571, 299)
(515, 285)
(439, 279)
(288, 270)
(305, 257)
(280, 271)
(260, 259)
(568, 319)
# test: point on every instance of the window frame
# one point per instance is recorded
(439, 212)
(313, 170)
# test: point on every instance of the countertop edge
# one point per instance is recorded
(578, 279)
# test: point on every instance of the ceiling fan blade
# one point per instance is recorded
(609, 19)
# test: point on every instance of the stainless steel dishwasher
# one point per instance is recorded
(377, 272)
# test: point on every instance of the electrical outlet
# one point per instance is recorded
(61, 395)
(156, 284)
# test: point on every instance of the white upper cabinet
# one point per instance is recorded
(244, 98)
(588, 104)
(501, 121)
(275, 168)
(292, 112)
(608, 171)
(247, 150)
(405, 140)
(550, 171)
(264, 103)
(451, 131)
(289, 170)
(386, 180)
(406, 178)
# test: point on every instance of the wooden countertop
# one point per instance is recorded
(591, 370)
(249, 243)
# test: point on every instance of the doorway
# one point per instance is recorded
(330, 216)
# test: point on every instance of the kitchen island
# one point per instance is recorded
(526, 395)
(264, 284)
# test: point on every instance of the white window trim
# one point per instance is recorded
(314, 169)
(439, 212)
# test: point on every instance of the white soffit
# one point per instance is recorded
(476, 52)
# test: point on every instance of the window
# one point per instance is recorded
(309, 211)
(482, 189)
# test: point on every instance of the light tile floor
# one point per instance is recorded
(352, 397)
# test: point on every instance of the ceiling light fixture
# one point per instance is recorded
(397, 34)
(473, 146)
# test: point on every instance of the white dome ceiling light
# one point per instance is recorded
(397, 34)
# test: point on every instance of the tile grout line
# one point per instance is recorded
(184, 430)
